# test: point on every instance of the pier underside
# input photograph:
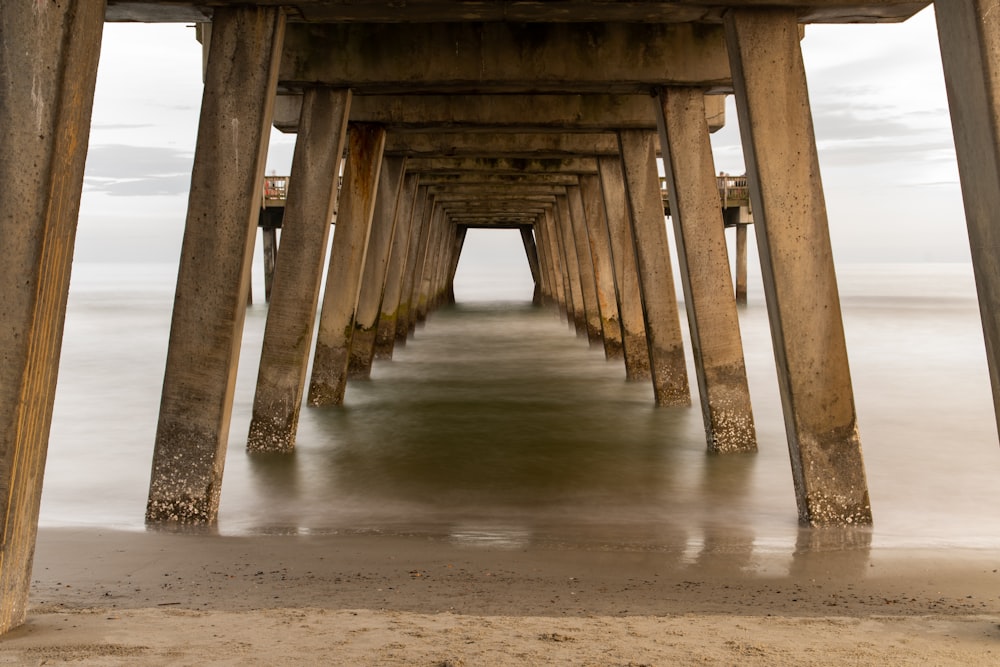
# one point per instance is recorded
(418, 122)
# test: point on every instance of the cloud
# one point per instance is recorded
(136, 171)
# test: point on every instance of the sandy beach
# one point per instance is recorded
(102, 597)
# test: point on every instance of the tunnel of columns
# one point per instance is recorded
(417, 122)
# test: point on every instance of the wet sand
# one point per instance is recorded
(101, 597)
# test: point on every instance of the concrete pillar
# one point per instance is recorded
(634, 346)
(531, 254)
(48, 68)
(269, 241)
(588, 283)
(414, 264)
(461, 231)
(704, 262)
(216, 254)
(424, 285)
(347, 260)
(564, 221)
(558, 257)
(604, 274)
(288, 333)
(546, 272)
(656, 278)
(383, 230)
(797, 265)
(969, 33)
(741, 264)
(385, 339)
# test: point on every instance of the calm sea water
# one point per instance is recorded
(497, 425)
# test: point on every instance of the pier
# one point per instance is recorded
(416, 122)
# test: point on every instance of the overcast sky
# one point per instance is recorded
(877, 97)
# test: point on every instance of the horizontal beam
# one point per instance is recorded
(510, 144)
(493, 191)
(504, 57)
(809, 11)
(577, 165)
(486, 178)
(500, 113)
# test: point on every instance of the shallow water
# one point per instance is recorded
(496, 425)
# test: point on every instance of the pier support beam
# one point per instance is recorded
(800, 285)
(588, 283)
(210, 302)
(604, 274)
(656, 278)
(634, 344)
(704, 262)
(531, 253)
(741, 264)
(269, 247)
(403, 239)
(564, 220)
(380, 241)
(48, 69)
(288, 333)
(347, 259)
(969, 33)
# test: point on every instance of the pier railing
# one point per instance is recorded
(275, 191)
(733, 190)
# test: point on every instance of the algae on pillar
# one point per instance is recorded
(800, 285)
(48, 69)
(216, 254)
(288, 333)
(347, 259)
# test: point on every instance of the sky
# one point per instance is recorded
(877, 95)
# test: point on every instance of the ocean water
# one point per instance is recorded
(497, 425)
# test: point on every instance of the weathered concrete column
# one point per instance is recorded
(588, 283)
(656, 278)
(634, 345)
(741, 264)
(531, 254)
(424, 284)
(48, 68)
(458, 243)
(797, 264)
(547, 273)
(269, 241)
(288, 333)
(385, 339)
(604, 274)
(547, 247)
(704, 262)
(380, 240)
(414, 263)
(558, 259)
(210, 303)
(969, 33)
(564, 222)
(347, 260)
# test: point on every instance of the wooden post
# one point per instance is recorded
(347, 259)
(288, 333)
(800, 284)
(217, 251)
(48, 69)
(656, 278)
(704, 262)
